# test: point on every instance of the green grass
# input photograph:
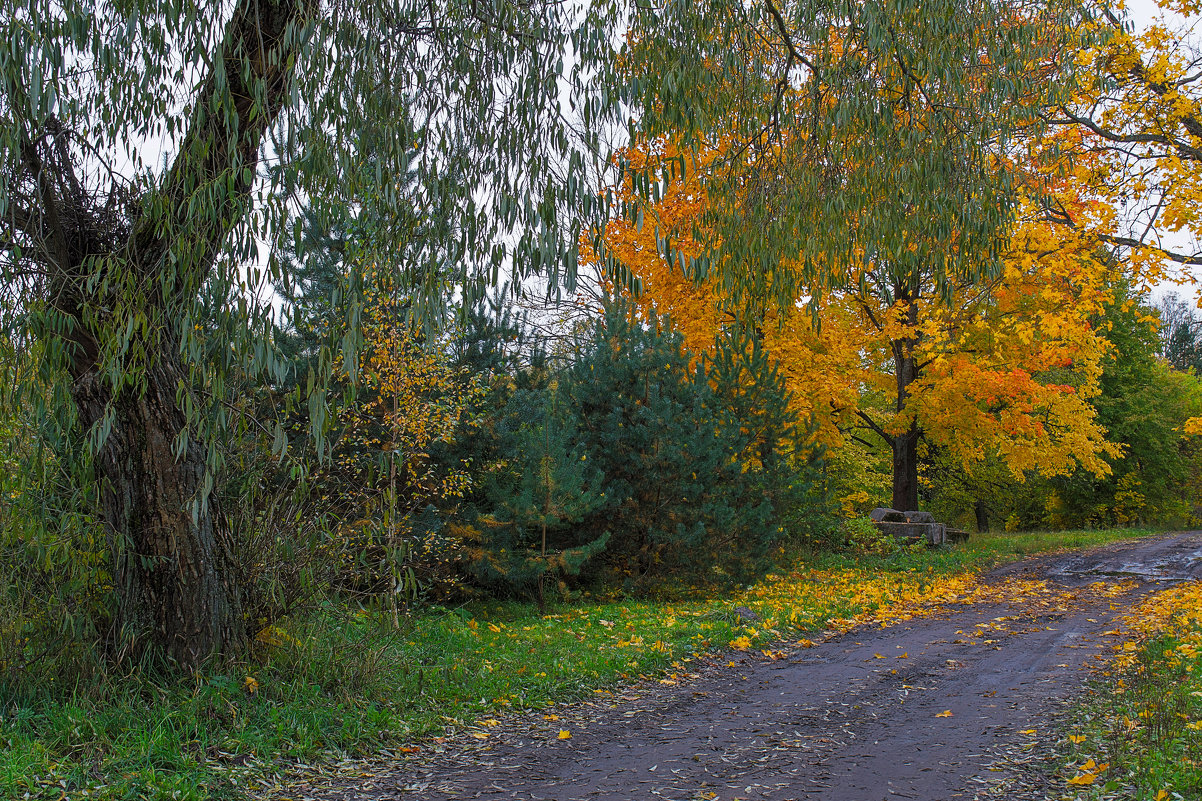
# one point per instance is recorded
(1144, 724)
(340, 682)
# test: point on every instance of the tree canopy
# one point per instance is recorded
(162, 163)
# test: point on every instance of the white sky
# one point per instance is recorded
(1143, 13)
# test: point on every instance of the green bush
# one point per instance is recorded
(698, 477)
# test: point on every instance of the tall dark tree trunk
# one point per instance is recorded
(172, 555)
(905, 445)
(905, 471)
(982, 513)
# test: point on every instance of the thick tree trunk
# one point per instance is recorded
(905, 445)
(905, 471)
(982, 513)
(172, 557)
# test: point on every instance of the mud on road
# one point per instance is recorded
(926, 709)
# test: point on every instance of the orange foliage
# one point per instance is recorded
(1007, 366)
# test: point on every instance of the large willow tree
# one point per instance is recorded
(150, 151)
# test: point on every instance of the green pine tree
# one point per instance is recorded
(528, 536)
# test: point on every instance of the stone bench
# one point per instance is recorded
(915, 527)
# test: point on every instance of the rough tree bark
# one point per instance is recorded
(173, 567)
(905, 471)
(905, 445)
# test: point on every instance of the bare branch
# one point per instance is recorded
(1171, 255)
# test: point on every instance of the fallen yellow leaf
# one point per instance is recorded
(947, 713)
(564, 734)
(1076, 739)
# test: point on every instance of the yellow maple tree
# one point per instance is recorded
(876, 354)
(1136, 122)
(1136, 145)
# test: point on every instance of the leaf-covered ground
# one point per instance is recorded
(334, 686)
(962, 695)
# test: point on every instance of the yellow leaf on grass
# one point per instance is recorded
(947, 713)
(564, 734)
(1162, 795)
(1089, 773)
(1076, 739)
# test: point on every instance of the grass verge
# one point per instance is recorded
(339, 682)
(1138, 732)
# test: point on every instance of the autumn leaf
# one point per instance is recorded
(564, 734)
(1088, 773)
(947, 713)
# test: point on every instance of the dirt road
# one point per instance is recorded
(920, 710)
